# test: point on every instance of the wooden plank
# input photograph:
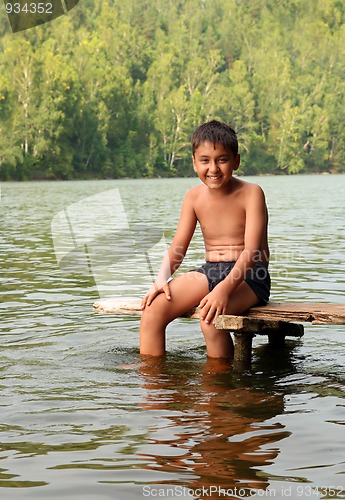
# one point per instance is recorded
(316, 313)
(127, 306)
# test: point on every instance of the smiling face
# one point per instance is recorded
(215, 164)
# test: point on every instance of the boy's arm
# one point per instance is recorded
(176, 252)
(254, 237)
(215, 302)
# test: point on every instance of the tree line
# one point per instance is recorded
(115, 89)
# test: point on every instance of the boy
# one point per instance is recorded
(233, 218)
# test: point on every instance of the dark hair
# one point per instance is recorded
(217, 133)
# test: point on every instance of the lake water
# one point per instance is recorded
(83, 418)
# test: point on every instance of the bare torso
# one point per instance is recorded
(223, 220)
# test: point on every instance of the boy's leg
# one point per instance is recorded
(186, 292)
(219, 342)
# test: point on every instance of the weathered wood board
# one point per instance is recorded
(315, 313)
(128, 306)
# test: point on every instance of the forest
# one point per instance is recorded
(115, 89)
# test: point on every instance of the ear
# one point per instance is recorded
(237, 161)
(193, 160)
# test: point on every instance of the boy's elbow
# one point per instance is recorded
(257, 255)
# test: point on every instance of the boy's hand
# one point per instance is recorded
(212, 305)
(153, 292)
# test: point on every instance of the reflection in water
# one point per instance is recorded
(218, 430)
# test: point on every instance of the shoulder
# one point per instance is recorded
(196, 190)
(190, 200)
(194, 194)
(250, 189)
(247, 186)
(252, 196)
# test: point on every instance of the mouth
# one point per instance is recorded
(214, 177)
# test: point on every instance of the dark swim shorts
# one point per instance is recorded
(258, 277)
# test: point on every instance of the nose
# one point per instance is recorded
(213, 167)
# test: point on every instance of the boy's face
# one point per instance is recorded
(215, 164)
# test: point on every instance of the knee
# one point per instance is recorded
(210, 332)
(148, 316)
(218, 342)
(153, 314)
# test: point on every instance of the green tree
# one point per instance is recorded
(10, 151)
(21, 63)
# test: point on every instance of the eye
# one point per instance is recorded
(223, 159)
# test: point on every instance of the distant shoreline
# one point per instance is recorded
(309, 174)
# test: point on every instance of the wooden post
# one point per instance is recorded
(243, 350)
(276, 339)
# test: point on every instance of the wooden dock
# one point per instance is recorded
(276, 320)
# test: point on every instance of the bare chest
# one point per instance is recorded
(221, 219)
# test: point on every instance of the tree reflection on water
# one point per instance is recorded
(217, 429)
